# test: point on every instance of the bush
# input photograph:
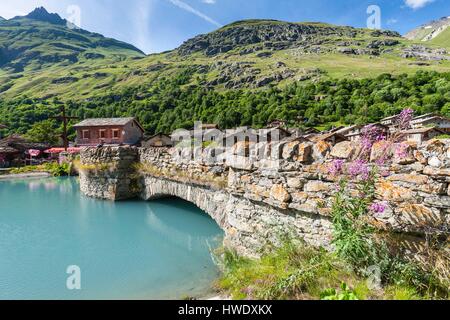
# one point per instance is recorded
(55, 169)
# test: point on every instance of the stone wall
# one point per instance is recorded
(257, 200)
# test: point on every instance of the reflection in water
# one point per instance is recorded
(130, 249)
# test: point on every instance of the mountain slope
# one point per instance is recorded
(429, 31)
(41, 38)
(51, 60)
(246, 73)
(443, 39)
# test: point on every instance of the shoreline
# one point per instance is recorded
(30, 175)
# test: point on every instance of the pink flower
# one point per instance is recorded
(336, 167)
(360, 169)
(378, 208)
(401, 150)
(370, 135)
(405, 118)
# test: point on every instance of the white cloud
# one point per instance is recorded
(209, 1)
(180, 4)
(417, 4)
(141, 35)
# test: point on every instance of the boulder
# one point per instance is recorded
(435, 162)
(321, 149)
(318, 186)
(343, 150)
(290, 150)
(420, 157)
(304, 152)
(386, 190)
(380, 149)
(416, 216)
(435, 146)
(295, 182)
(416, 179)
(432, 171)
(279, 193)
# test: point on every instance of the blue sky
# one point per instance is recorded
(159, 25)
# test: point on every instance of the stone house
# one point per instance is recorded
(331, 137)
(422, 134)
(353, 133)
(441, 123)
(389, 121)
(109, 131)
(158, 140)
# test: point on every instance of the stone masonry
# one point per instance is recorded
(255, 202)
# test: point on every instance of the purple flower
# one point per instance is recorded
(401, 150)
(378, 208)
(336, 167)
(405, 118)
(370, 135)
(359, 168)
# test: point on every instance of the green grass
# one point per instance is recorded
(299, 272)
(443, 39)
(53, 168)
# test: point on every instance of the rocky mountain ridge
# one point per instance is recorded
(429, 31)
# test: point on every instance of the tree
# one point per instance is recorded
(44, 131)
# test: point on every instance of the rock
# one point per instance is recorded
(346, 50)
(419, 156)
(410, 178)
(435, 162)
(380, 149)
(343, 150)
(299, 197)
(321, 149)
(290, 150)
(279, 193)
(258, 191)
(388, 191)
(435, 146)
(404, 153)
(295, 183)
(304, 152)
(417, 216)
(317, 186)
(431, 171)
(420, 183)
(438, 201)
(239, 162)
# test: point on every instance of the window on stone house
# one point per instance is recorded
(116, 133)
(86, 134)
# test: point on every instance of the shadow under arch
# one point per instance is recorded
(212, 202)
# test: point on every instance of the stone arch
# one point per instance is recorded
(212, 202)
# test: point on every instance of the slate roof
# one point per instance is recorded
(422, 130)
(105, 122)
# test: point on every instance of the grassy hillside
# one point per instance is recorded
(443, 39)
(74, 64)
(248, 72)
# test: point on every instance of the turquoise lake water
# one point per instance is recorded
(125, 250)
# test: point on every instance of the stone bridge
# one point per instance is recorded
(255, 203)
